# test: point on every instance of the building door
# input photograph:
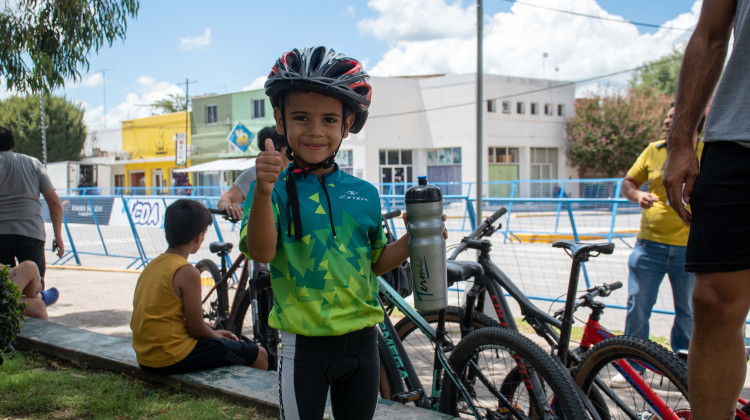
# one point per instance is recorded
(543, 167)
(444, 165)
(395, 171)
(157, 177)
(137, 182)
(503, 166)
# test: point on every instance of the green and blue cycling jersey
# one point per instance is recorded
(324, 285)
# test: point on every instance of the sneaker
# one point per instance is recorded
(50, 296)
(618, 381)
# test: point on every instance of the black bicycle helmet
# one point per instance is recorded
(323, 70)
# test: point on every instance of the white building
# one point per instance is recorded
(427, 126)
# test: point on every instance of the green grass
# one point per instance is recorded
(577, 333)
(34, 386)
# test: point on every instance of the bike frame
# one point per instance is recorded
(441, 363)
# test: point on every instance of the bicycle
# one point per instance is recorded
(252, 293)
(476, 363)
(664, 393)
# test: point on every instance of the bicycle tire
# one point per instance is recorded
(391, 383)
(214, 295)
(420, 349)
(483, 359)
(666, 375)
(237, 319)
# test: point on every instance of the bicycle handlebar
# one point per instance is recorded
(224, 214)
(483, 230)
(602, 290)
(391, 214)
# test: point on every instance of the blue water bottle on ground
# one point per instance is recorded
(424, 208)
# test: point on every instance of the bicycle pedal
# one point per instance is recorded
(407, 397)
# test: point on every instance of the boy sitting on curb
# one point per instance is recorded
(169, 335)
(26, 276)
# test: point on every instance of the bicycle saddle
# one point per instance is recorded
(220, 246)
(462, 270)
(578, 249)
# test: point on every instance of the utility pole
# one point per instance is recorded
(480, 21)
(187, 103)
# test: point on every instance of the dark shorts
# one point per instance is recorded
(719, 238)
(212, 353)
(22, 248)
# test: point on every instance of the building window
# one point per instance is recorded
(503, 155)
(548, 109)
(561, 110)
(444, 166)
(520, 107)
(395, 171)
(534, 108)
(344, 158)
(259, 108)
(491, 106)
(506, 107)
(543, 166)
(211, 116)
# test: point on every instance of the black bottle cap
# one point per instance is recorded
(423, 192)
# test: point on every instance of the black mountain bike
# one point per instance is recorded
(655, 380)
(252, 293)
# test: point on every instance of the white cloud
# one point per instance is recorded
(515, 41)
(137, 104)
(419, 20)
(94, 80)
(196, 42)
(256, 84)
(351, 10)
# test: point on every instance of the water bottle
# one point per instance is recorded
(424, 208)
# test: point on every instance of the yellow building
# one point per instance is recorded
(152, 144)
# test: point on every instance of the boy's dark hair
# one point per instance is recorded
(7, 141)
(184, 220)
(279, 140)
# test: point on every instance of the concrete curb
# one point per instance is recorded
(236, 383)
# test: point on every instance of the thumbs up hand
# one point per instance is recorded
(268, 166)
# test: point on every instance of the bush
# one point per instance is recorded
(11, 310)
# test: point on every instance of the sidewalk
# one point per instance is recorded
(102, 301)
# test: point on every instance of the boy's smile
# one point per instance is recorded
(313, 126)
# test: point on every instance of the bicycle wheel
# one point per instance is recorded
(421, 350)
(391, 383)
(485, 357)
(664, 377)
(214, 294)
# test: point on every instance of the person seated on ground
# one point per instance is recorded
(169, 335)
(26, 276)
(231, 200)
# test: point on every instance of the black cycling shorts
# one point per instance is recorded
(348, 365)
(22, 248)
(210, 353)
(719, 239)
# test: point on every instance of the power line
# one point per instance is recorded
(570, 12)
(513, 95)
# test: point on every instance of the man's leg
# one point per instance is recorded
(682, 295)
(26, 276)
(647, 266)
(716, 361)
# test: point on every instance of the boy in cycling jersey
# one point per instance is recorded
(169, 335)
(321, 230)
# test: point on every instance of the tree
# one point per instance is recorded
(172, 103)
(660, 75)
(45, 42)
(609, 132)
(66, 131)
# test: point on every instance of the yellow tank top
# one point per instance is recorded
(160, 335)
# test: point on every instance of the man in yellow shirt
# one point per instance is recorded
(660, 247)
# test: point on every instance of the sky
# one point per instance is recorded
(230, 45)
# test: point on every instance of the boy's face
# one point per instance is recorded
(313, 125)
